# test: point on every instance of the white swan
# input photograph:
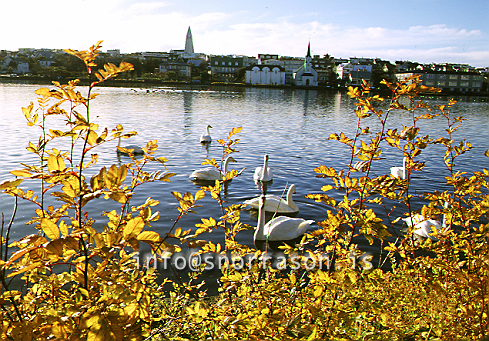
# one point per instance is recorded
(422, 226)
(206, 138)
(211, 173)
(263, 173)
(136, 150)
(276, 204)
(280, 228)
(399, 172)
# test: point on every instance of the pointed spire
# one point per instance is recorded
(189, 44)
(309, 50)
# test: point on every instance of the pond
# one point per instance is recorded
(292, 126)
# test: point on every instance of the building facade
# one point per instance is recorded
(225, 68)
(265, 75)
(450, 81)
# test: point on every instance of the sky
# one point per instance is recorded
(424, 31)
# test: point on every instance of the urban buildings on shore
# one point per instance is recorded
(268, 69)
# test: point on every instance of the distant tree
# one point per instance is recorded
(138, 66)
(241, 75)
(150, 65)
(34, 65)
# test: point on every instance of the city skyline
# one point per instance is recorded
(422, 31)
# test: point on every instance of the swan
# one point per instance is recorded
(263, 173)
(136, 150)
(274, 203)
(211, 173)
(280, 228)
(206, 138)
(422, 226)
(399, 172)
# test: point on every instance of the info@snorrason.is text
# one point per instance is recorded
(195, 261)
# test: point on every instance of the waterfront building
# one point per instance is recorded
(225, 68)
(449, 78)
(265, 75)
(182, 69)
(326, 69)
(306, 75)
(355, 70)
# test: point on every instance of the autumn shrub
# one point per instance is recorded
(81, 280)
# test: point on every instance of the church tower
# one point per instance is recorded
(308, 62)
(189, 44)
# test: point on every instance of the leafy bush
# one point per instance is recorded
(82, 282)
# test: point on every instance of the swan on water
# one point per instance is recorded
(275, 204)
(136, 150)
(206, 137)
(422, 226)
(281, 228)
(399, 172)
(211, 173)
(263, 173)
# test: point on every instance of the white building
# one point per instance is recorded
(265, 75)
(306, 75)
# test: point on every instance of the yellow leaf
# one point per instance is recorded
(49, 228)
(21, 172)
(120, 197)
(178, 232)
(55, 246)
(133, 227)
(9, 184)
(149, 237)
(28, 111)
(199, 195)
(92, 137)
(63, 228)
(55, 163)
(24, 269)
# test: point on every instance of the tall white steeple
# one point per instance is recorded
(308, 61)
(189, 44)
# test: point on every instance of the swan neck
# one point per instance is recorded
(226, 163)
(260, 227)
(265, 168)
(208, 133)
(404, 168)
(290, 201)
(444, 219)
(119, 143)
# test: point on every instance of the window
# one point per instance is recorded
(476, 85)
(229, 63)
(236, 63)
(453, 77)
(464, 83)
(223, 63)
(452, 83)
(441, 83)
(430, 83)
(216, 63)
(442, 76)
(465, 77)
(430, 76)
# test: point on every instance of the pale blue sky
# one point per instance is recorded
(423, 31)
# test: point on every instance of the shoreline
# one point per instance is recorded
(142, 83)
